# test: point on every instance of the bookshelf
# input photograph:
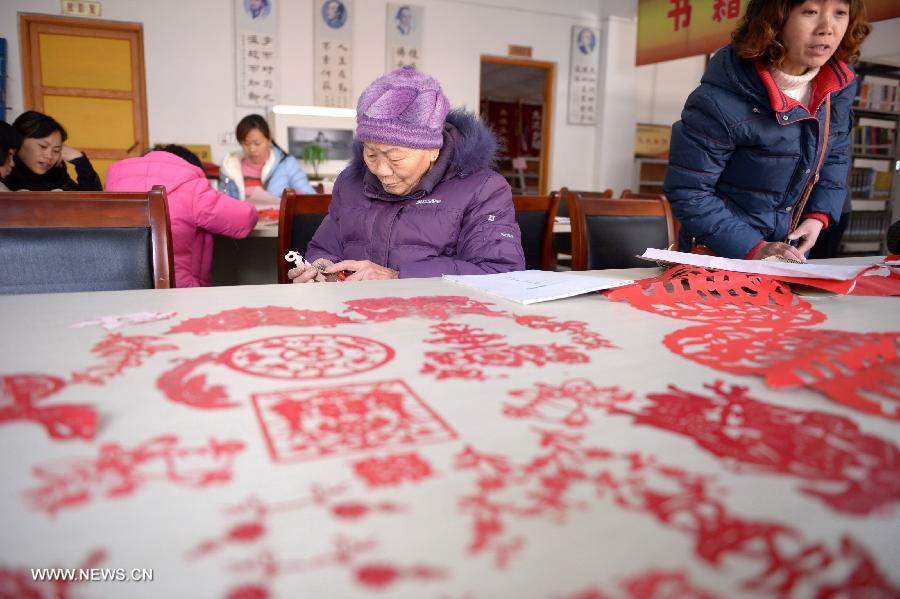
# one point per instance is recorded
(873, 183)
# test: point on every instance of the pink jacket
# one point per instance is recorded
(196, 210)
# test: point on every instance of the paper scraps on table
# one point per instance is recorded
(117, 321)
(834, 278)
(532, 286)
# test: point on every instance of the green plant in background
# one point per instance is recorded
(315, 155)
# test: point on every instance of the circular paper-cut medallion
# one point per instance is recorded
(303, 357)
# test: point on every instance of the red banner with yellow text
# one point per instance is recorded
(669, 29)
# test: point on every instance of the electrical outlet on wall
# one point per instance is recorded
(228, 139)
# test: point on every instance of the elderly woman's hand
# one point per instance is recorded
(776, 248)
(363, 270)
(311, 273)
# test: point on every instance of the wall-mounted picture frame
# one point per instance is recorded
(294, 132)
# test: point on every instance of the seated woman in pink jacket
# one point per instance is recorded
(196, 210)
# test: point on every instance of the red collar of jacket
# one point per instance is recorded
(834, 76)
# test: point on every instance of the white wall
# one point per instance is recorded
(189, 60)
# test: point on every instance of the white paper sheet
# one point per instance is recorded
(760, 267)
(532, 286)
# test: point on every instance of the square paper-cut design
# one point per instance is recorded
(319, 422)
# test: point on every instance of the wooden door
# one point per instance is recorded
(88, 74)
(526, 86)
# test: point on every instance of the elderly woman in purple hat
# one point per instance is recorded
(419, 198)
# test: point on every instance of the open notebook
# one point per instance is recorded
(532, 286)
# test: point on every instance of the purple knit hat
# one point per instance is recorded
(404, 107)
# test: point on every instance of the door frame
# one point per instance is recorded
(546, 127)
(31, 25)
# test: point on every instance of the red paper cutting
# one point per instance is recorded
(310, 423)
(120, 352)
(21, 583)
(884, 282)
(432, 307)
(472, 350)
(20, 394)
(393, 469)
(655, 584)
(249, 591)
(577, 330)
(308, 356)
(239, 319)
(118, 472)
(716, 296)
(255, 514)
(567, 404)
(374, 575)
(850, 470)
(860, 370)
(184, 384)
(545, 487)
(838, 463)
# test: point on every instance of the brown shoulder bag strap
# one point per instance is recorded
(801, 205)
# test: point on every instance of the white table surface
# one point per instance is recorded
(221, 500)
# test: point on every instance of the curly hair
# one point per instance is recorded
(758, 32)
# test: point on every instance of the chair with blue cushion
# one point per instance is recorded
(611, 232)
(298, 220)
(535, 216)
(84, 241)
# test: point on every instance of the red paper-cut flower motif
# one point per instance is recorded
(119, 472)
(309, 423)
(861, 370)
(471, 350)
(120, 352)
(239, 319)
(434, 307)
(393, 469)
(718, 296)
(20, 395)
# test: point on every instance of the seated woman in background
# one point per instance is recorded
(419, 198)
(41, 161)
(262, 171)
(196, 210)
(744, 174)
(10, 142)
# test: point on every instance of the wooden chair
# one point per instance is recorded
(609, 233)
(564, 209)
(300, 216)
(562, 242)
(535, 215)
(627, 193)
(84, 241)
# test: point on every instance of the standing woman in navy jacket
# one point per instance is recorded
(750, 139)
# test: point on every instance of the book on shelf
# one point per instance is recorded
(880, 94)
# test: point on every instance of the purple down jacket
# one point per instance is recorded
(459, 219)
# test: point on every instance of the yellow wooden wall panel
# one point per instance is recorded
(100, 165)
(94, 122)
(85, 62)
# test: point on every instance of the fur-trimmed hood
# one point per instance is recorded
(472, 144)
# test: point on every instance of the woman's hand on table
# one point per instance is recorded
(363, 270)
(807, 232)
(310, 273)
(783, 250)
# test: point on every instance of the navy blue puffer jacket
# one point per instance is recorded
(743, 152)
